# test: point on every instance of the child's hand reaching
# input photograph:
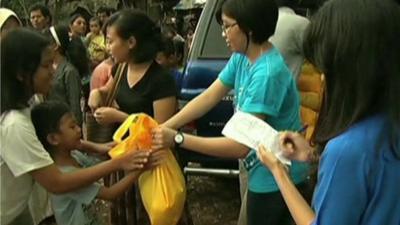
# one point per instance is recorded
(156, 158)
(133, 160)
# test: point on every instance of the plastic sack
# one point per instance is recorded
(311, 86)
(162, 189)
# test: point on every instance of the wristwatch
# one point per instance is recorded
(178, 138)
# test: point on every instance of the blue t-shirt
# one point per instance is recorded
(359, 177)
(265, 87)
(77, 207)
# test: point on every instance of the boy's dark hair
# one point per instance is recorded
(107, 10)
(359, 52)
(167, 46)
(43, 9)
(46, 119)
(256, 18)
(15, 93)
(102, 9)
(173, 46)
(136, 23)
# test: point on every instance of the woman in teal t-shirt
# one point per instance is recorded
(263, 86)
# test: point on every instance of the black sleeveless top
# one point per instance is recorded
(156, 83)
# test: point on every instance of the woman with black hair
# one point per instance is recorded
(264, 87)
(359, 123)
(71, 63)
(144, 86)
(23, 160)
(78, 26)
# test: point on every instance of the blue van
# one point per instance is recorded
(207, 57)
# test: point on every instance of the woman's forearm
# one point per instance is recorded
(218, 146)
(88, 146)
(95, 148)
(298, 207)
(193, 110)
(199, 105)
(121, 117)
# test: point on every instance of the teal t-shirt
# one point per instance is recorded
(265, 87)
(76, 207)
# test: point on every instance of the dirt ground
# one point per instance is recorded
(213, 200)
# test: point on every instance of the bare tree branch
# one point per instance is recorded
(23, 6)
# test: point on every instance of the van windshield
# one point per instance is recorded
(214, 45)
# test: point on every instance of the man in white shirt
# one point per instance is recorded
(288, 37)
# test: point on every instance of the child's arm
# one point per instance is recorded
(51, 178)
(111, 193)
(116, 190)
(92, 147)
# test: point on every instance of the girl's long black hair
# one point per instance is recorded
(21, 54)
(72, 48)
(355, 43)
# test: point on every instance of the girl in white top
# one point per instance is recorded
(23, 160)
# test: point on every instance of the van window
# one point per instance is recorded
(214, 45)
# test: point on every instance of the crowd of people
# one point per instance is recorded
(52, 75)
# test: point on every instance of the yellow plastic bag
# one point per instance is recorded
(163, 188)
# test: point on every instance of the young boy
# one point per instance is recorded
(60, 134)
(171, 57)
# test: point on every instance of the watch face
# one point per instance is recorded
(178, 138)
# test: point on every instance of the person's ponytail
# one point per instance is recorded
(76, 54)
(71, 47)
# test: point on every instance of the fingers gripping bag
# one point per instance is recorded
(162, 189)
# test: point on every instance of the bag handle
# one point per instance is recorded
(121, 131)
(114, 88)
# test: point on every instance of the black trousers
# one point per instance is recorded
(269, 208)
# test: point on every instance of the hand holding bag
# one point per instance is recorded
(163, 188)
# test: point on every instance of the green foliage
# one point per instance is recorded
(60, 9)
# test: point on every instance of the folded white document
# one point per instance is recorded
(253, 132)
